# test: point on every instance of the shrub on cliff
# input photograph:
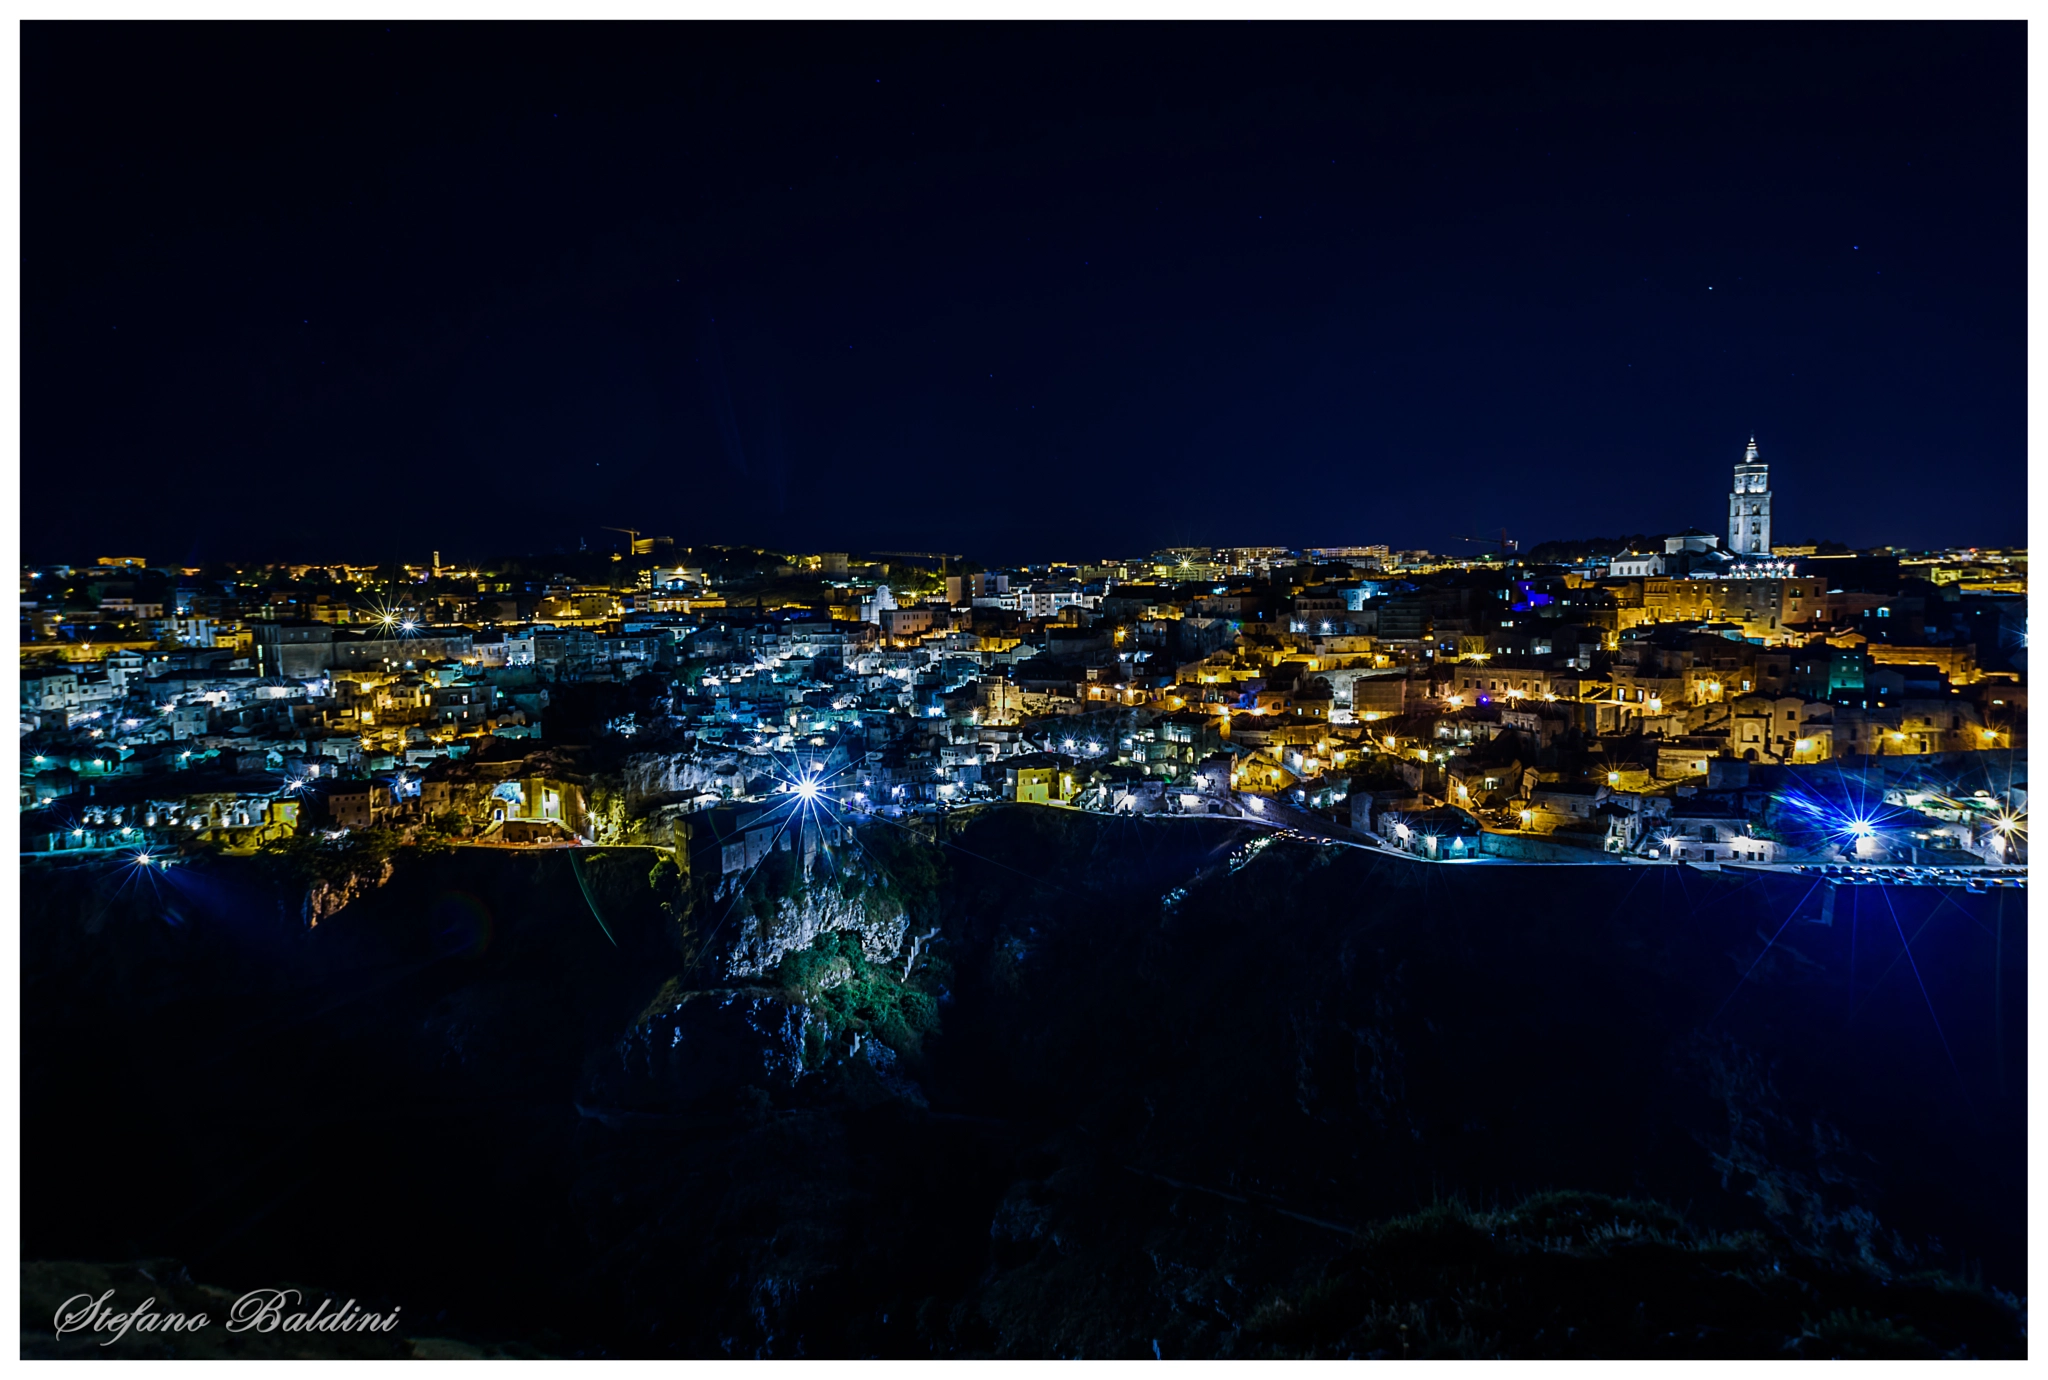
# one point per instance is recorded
(312, 857)
(855, 996)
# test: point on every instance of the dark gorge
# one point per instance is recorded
(1027, 1082)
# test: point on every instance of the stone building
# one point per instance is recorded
(1749, 507)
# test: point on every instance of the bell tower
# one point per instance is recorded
(1749, 507)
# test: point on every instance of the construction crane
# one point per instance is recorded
(940, 556)
(1503, 541)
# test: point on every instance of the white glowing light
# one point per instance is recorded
(807, 789)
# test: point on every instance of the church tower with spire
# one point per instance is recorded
(1749, 507)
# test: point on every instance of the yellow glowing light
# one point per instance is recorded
(1614, 778)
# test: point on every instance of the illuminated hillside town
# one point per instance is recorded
(1699, 697)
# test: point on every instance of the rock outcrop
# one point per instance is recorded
(329, 898)
(813, 911)
(649, 778)
(698, 1051)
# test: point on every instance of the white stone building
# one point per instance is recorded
(1749, 507)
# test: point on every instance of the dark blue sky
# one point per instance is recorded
(350, 291)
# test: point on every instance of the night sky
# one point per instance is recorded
(361, 292)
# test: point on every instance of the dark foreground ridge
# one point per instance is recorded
(1034, 1083)
(1560, 1275)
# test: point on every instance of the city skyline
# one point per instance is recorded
(1750, 518)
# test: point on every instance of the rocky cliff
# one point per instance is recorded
(1047, 1084)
